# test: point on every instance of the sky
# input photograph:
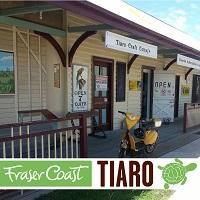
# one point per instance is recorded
(182, 14)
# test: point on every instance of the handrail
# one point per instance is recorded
(38, 122)
(35, 134)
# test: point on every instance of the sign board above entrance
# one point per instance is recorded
(188, 62)
(129, 45)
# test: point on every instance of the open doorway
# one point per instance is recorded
(147, 93)
(176, 99)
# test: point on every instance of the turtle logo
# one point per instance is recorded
(174, 173)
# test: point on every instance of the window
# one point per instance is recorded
(7, 80)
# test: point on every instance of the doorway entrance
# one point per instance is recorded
(103, 91)
(176, 98)
(147, 93)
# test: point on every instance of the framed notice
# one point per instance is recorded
(101, 83)
(134, 85)
(7, 79)
(57, 75)
(120, 81)
(79, 88)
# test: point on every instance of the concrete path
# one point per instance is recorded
(191, 150)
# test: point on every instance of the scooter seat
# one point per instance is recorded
(140, 146)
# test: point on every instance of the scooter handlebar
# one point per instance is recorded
(123, 113)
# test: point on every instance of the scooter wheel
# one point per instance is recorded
(122, 153)
(150, 148)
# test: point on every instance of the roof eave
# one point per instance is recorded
(101, 15)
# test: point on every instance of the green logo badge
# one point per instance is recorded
(174, 173)
(45, 173)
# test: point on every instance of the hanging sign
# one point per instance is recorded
(188, 62)
(80, 90)
(101, 83)
(129, 45)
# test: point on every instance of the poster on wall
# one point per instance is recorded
(7, 80)
(185, 90)
(101, 83)
(163, 95)
(79, 88)
(57, 75)
(134, 85)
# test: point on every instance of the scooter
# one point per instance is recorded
(146, 134)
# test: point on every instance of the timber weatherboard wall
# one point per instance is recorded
(94, 46)
(23, 100)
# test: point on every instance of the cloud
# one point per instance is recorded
(177, 18)
(193, 6)
(6, 58)
(179, 1)
(179, 12)
(197, 27)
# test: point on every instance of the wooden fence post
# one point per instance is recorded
(185, 118)
(83, 137)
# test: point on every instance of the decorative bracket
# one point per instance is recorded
(187, 73)
(131, 61)
(169, 64)
(77, 43)
(55, 44)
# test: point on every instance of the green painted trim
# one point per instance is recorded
(32, 26)
(97, 27)
(27, 9)
(169, 51)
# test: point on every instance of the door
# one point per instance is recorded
(196, 89)
(147, 93)
(176, 100)
(163, 95)
(103, 92)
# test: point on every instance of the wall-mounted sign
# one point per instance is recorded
(101, 83)
(79, 88)
(122, 43)
(134, 85)
(185, 90)
(188, 62)
(57, 75)
(7, 80)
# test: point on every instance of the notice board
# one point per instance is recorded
(120, 82)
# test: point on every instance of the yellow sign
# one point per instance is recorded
(134, 85)
(185, 90)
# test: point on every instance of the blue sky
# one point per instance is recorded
(182, 14)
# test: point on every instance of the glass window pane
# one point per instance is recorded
(97, 94)
(104, 118)
(96, 70)
(104, 93)
(104, 71)
(97, 118)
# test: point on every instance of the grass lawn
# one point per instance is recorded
(108, 195)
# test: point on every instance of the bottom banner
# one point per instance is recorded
(101, 173)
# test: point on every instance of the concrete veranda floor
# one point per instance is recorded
(171, 137)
